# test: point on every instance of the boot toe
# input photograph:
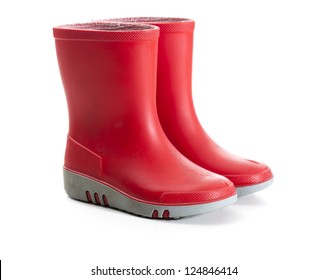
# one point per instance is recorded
(207, 195)
(257, 173)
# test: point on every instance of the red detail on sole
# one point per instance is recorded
(105, 201)
(97, 199)
(88, 196)
(155, 214)
(165, 214)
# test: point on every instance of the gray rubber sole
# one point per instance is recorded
(241, 191)
(85, 189)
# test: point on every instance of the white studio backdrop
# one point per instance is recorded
(259, 87)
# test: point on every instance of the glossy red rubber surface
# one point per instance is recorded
(176, 109)
(109, 75)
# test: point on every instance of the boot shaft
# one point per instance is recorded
(108, 72)
(174, 77)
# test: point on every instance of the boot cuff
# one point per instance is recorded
(166, 24)
(106, 31)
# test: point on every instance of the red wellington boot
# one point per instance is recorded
(117, 154)
(177, 114)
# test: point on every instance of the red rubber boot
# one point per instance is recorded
(177, 114)
(117, 154)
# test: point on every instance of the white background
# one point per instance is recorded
(260, 86)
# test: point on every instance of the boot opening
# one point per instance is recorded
(109, 26)
(151, 19)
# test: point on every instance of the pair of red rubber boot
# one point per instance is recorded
(134, 140)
